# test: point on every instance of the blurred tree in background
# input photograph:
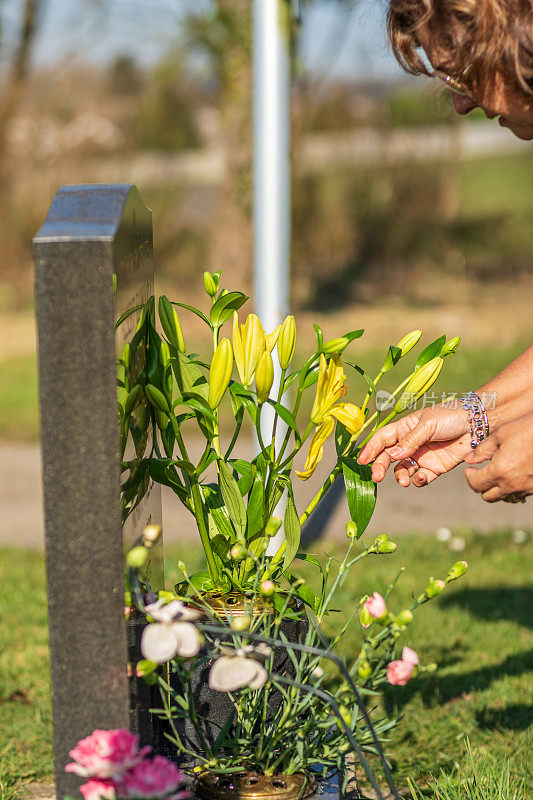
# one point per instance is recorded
(369, 216)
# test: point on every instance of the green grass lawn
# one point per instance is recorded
(479, 632)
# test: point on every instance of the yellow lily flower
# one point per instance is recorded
(248, 346)
(271, 339)
(350, 415)
(316, 448)
(330, 388)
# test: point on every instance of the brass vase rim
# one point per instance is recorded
(250, 785)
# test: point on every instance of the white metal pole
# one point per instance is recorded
(271, 171)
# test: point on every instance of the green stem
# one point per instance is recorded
(304, 438)
(276, 415)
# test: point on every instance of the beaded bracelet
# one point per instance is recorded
(477, 418)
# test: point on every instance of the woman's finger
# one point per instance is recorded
(383, 438)
(481, 480)
(484, 450)
(410, 442)
(494, 494)
(380, 466)
(404, 471)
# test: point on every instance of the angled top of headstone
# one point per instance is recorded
(87, 211)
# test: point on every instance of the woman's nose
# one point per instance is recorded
(462, 104)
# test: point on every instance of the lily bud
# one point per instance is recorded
(156, 398)
(248, 346)
(434, 587)
(164, 354)
(287, 342)
(271, 339)
(450, 346)
(458, 569)
(336, 345)
(170, 322)
(267, 588)
(220, 372)
(126, 354)
(272, 527)
(133, 398)
(404, 618)
(137, 557)
(408, 341)
(151, 533)
(422, 380)
(264, 376)
(209, 284)
(240, 623)
(383, 545)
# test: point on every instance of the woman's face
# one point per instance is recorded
(494, 96)
(513, 108)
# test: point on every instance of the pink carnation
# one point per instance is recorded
(98, 790)
(106, 754)
(376, 606)
(151, 779)
(411, 656)
(399, 672)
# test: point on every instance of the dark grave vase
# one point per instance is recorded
(216, 707)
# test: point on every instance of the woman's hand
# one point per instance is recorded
(437, 438)
(510, 469)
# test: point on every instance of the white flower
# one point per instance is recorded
(162, 611)
(457, 543)
(443, 534)
(519, 537)
(172, 634)
(238, 668)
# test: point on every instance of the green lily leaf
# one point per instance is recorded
(194, 311)
(292, 531)
(255, 510)
(246, 398)
(232, 499)
(430, 352)
(393, 356)
(289, 380)
(127, 314)
(198, 404)
(224, 307)
(351, 335)
(219, 521)
(190, 378)
(319, 337)
(311, 377)
(304, 592)
(202, 582)
(287, 417)
(364, 374)
(361, 492)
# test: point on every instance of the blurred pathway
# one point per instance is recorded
(446, 503)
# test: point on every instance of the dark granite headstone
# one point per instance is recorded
(93, 259)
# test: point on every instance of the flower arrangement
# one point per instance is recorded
(118, 769)
(291, 704)
(234, 509)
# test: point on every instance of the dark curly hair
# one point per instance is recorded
(493, 36)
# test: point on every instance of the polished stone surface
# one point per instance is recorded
(91, 234)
